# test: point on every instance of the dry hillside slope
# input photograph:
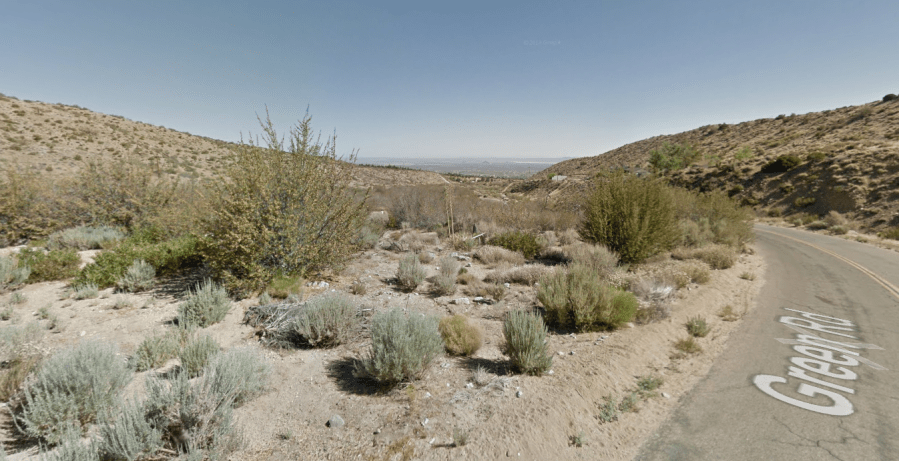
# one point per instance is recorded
(849, 162)
(58, 140)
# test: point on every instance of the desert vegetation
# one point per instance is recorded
(400, 287)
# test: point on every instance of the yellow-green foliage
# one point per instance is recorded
(283, 209)
(52, 265)
(712, 217)
(631, 216)
(462, 337)
(579, 299)
(526, 345)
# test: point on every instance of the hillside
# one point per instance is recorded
(58, 140)
(849, 163)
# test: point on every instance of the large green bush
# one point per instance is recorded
(522, 242)
(526, 346)
(671, 157)
(167, 256)
(282, 209)
(631, 216)
(73, 386)
(579, 299)
(402, 346)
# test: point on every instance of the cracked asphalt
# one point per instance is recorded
(844, 297)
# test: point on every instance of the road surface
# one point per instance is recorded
(813, 374)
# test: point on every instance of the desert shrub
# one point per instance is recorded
(697, 327)
(155, 351)
(241, 373)
(672, 157)
(802, 202)
(14, 372)
(85, 291)
(892, 233)
(522, 275)
(11, 273)
(716, 256)
(890, 97)
(688, 345)
(489, 254)
(522, 242)
(426, 257)
(369, 234)
(596, 256)
(839, 230)
(526, 345)
(712, 217)
(206, 305)
(358, 287)
(195, 417)
(128, 435)
(445, 283)
(494, 291)
(283, 209)
(196, 354)
(781, 164)
(402, 347)
(167, 256)
(577, 298)
(51, 265)
(631, 216)
(140, 276)
(834, 218)
(282, 286)
(462, 337)
(697, 272)
(410, 273)
(71, 447)
(85, 237)
(817, 225)
(72, 386)
(325, 321)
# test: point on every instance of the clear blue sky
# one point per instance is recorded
(485, 78)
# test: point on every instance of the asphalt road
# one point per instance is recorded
(818, 382)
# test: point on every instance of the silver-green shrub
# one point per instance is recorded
(410, 273)
(128, 435)
(72, 448)
(402, 346)
(240, 373)
(86, 291)
(72, 387)
(11, 274)
(197, 353)
(154, 351)
(326, 321)
(579, 299)
(207, 305)
(526, 344)
(140, 276)
(84, 237)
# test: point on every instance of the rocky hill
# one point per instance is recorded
(848, 161)
(58, 140)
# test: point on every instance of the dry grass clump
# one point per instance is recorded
(596, 256)
(522, 275)
(11, 273)
(688, 346)
(461, 335)
(697, 327)
(325, 321)
(492, 255)
(677, 273)
(716, 256)
(85, 237)
(728, 314)
(417, 241)
(494, 291)
(655, 299)
(445, 282)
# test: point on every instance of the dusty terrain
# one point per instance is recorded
(509, 415)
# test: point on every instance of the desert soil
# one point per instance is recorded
(516, 416)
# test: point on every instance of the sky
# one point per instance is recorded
(425, 79)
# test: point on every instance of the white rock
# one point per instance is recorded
(665, 394)
(550, 372)
(519, 394)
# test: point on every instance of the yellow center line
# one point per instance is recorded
(892, 289)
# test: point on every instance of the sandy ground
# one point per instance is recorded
(517, 416)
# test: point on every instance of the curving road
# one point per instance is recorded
(813, 374)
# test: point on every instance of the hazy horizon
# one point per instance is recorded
(411, 80)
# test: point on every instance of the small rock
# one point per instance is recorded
(550, 372)
(427, 395)
(378, 430)
(507, 285)
(571, 353)
(445, 365)
(665, 394)
(561, 353)
(572, 336)
(519, 394)
(335, 421)
(425, 421)
(461, 301)
(431, 442)
(83, 333)
(469, 386)
(629, 324)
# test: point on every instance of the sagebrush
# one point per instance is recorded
(526, 345)
(402, 346)
(579, 299)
